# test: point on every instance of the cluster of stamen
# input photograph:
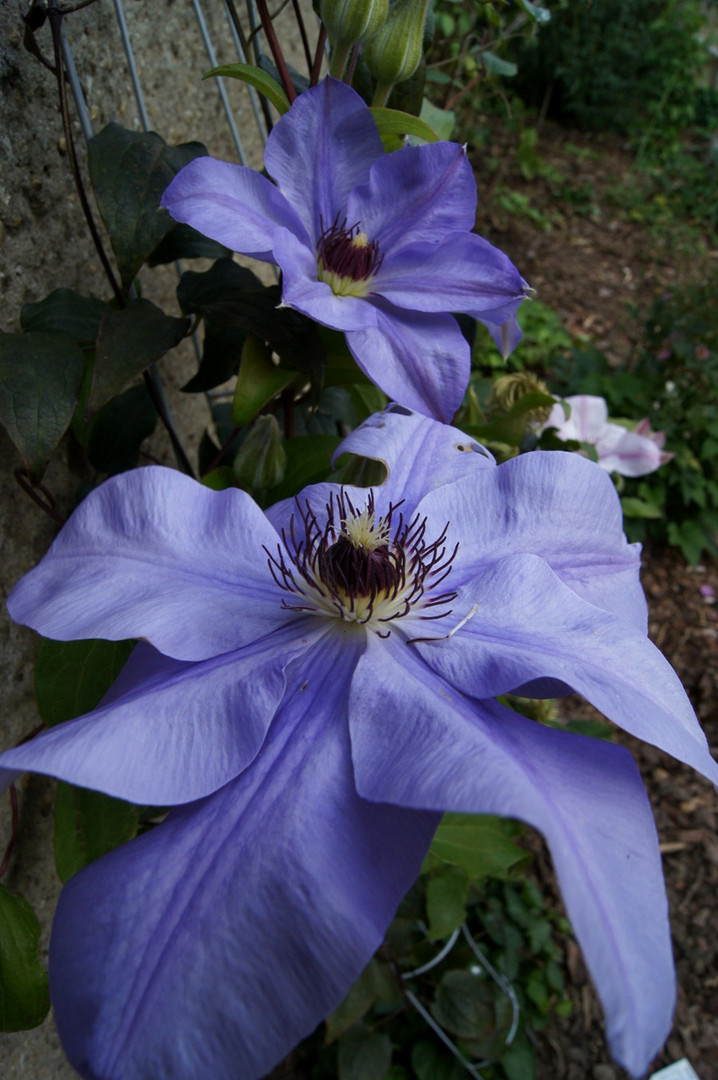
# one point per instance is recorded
(347, 259)
(362, 569)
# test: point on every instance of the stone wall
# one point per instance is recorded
(44, 244)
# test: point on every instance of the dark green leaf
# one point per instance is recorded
(184, 242)
(431, 1062)
(68, 311)
(479, 844)
(130, 171)
(24, 995)
(88, 825)
(517, 1061)
(446, 895)
(72, 676)
(118, 430)
(511, 427)
(221, 352)
(364, 1055)
(260, 80)
(228, 295)
(366, 399)
(258, 382)
(464, 1005)
(308, 462)
(128, 342)
(356, 1004)
(40, 380)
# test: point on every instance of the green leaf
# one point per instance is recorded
(127, 343)
(511, 427)
(40, 381)
(116, 433)
(366, 399)
(517, 1061)
(184, 242)
(257, 78)
(430, 1062)
(67, 311)
(495, 65)
(308, 462)
(364, 1055)
(129, 171)
(24, 994)
(393, 122)
(221, 351)
(356, 1004)
(441, 121)
(89, 825)
(446, 896)
(464, 1005)
(639, 508)
(479, 844)
(72, 676)
(258, 382)
(220, 479)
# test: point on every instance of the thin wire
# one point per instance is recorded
(437, 959)
(139, 96)
(253, 97)
(220, 82)
(77, 92)
(473, 1070)
(499, 979)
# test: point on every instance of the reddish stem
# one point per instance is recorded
(276, 50)
(318, 56)
(46, 502)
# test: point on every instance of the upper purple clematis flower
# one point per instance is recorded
(619, 450)
(314, 686)
(379, 246)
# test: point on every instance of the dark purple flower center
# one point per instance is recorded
(347, 259)
(361, 568)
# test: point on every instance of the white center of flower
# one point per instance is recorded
(362, 568)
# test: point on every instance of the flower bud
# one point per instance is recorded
(349, 21)
(508, 390)
(261, 460)
(394, 53)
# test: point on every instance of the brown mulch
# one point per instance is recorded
(600, 272)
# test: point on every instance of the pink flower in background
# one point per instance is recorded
(629, 453)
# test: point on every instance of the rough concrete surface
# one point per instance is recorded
(44, 244)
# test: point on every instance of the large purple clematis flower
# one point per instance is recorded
(376, 245)
(313, 687)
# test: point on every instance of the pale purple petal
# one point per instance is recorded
(627, 452)
(210, 946)
(418, 742)
(589, 415)
(232, 204)
(421, 360)
(556, 505)
(503, 326)
(420, 455)
(461, 274)
(301, 289)
(170, 731)
(152, 554)
(418, 193)
(527, 625)
(321, 149)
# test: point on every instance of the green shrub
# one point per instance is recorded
(609, 65)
